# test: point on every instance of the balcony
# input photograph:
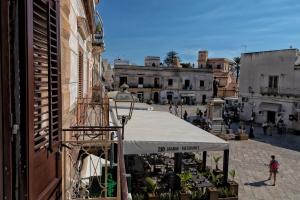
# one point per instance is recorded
(289, 92)
(98, 42)
(187, 87)
(268, 91)
(91, 169)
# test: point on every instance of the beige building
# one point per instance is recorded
(222, 71)
(270, 86)
(165, 84)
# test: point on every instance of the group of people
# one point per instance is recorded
(268, 127)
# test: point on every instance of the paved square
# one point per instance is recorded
(248, 158)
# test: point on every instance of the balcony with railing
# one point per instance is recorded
(289, 92)
(98, 36)
(91, 168)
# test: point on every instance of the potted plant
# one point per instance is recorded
(216, 160)
(212, 193)
(151, 188)
(225, 194)
(198, 195)
(185, 178)
(233, 185)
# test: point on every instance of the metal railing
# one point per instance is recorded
(280, 91)
(91, 170)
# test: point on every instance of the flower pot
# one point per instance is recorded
(212, 193)
(233, 187)
(184, 196)
(152, 196)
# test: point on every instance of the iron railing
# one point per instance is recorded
(91, 169)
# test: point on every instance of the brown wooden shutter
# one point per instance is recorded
(46, 75)
(44, 99)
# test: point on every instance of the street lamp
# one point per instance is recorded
(124, 104)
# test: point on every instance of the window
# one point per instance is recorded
(201, 66)
(141, 80)
(187, 83)
(170, 82)
(156, 82)
(218, 66)
(123, 80)
(273, 82)
(201, 83)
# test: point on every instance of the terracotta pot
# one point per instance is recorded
(233, 187)
(184, 196)
(152, 196)
(212, 193)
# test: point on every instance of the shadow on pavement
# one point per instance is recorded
(258, 183)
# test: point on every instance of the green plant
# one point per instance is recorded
(164, 196)
(217, 159)
(215, 179)
(138, 197)
(232, 174)
(225, 192)
(185, 177)
(198, 195)
(151, 185)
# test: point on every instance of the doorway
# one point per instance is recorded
(203, 99)
(170, 97)
(156, 97)
(271, 116)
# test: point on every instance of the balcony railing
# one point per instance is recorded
(280, 91)
(91, 169)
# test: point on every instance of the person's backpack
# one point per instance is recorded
(274, 165)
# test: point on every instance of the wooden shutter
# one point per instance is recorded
(44, 169)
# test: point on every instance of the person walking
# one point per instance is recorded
(185, 115)
(170, 108)
(273, 166)
(251, 132)
(265, 127)
(176, 110)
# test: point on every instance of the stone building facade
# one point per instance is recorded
(270, 86)
(221, 67)
(165, 84)
(81, 48)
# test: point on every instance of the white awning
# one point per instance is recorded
(265, 106)
(161, 132)
(92, 166)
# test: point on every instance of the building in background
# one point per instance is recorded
(108, 75)
(270, 87)
(159, 84)
(222, 71)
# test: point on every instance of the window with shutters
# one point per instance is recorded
(80, 74)
(46, 75)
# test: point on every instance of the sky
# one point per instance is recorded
(134, 29)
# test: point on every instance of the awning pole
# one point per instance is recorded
(204, 155)
(225, 166)
(178, 163)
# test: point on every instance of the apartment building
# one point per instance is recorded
(160, 84)
(270, 86)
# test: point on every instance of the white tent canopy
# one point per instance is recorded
(162, 132)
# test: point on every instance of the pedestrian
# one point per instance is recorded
(265, 127)
(273, 166)
(271, 128)
(251, 133)
(170, 108)
(176, 110)
(185, 115)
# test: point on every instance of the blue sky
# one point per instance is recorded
(137, 28)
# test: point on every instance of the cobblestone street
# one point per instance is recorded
(249, 157)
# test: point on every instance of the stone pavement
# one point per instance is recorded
(248, 158)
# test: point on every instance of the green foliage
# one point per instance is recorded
(171, 58)
(151, 184)
(198, 195)
(215, 179)
(110, 185)
(232, 174)
(225, 192)
(185, 177)
(138, 197)
(217, 159)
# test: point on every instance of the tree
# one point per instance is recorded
(237, 61)
(186, 65)
(171, 58)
